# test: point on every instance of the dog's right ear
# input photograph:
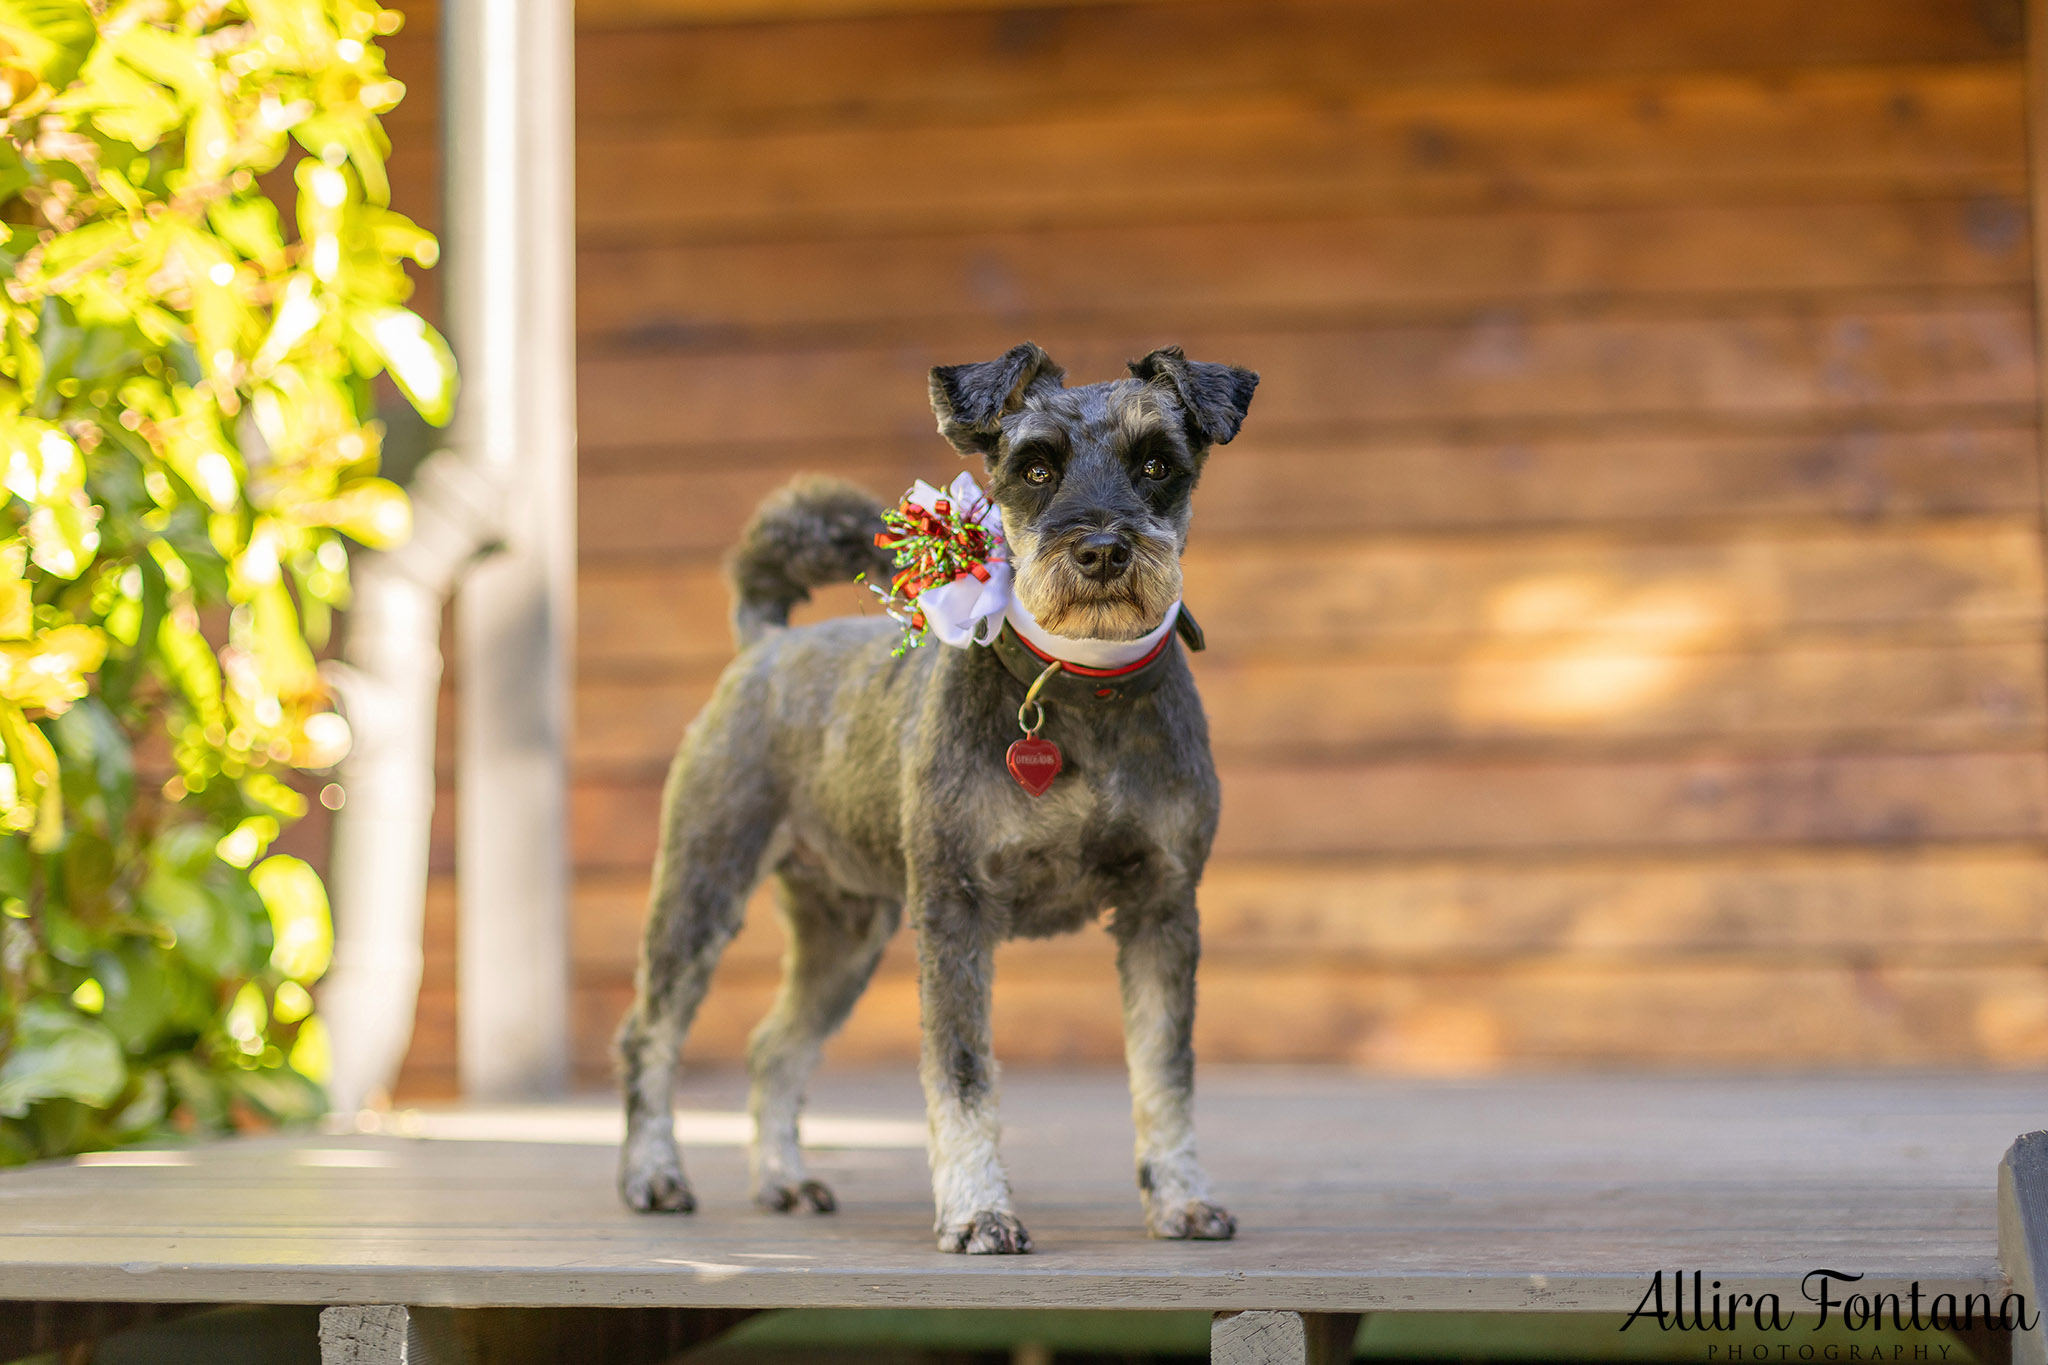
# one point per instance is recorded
(971, 401)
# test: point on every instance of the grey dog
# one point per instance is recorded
(864, 783)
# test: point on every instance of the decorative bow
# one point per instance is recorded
(952, 565)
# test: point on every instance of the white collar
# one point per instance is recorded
(1087, 653)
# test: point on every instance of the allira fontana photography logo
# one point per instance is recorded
(1681, 1301)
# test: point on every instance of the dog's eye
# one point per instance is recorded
(1038, 471)
(1154, 468)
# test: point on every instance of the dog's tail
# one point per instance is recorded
(810, 532)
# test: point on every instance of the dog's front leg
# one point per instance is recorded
(958, 1068)
(1156, 957)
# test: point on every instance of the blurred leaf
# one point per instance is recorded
(125, 103)
(92, 746)
(247, 225)
(88, 863)
(35, 801)
(49, 672)
(144, 1111)
(311, 1054)
(281, 1094)
(185, 851)
(421, 364)
(139, 1001)
(49, 38)
(300, 922)
(198, 1092)
(204, 935)
(58, 1053)
(373, 511)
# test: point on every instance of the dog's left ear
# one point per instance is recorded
(970, 401)
(1214, 397)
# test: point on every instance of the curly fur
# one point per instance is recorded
(814, 531)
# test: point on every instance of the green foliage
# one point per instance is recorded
(186, 438)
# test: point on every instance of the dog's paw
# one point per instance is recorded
(1197, 1220)
(814, 1195)
(987, 1234)
(660, 1189)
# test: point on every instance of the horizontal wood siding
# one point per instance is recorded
(1625, 599)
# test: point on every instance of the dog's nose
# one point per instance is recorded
(1103, 555)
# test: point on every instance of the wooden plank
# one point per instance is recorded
(1812, 135)
(1794, 902)
(1437, 597)
(1579, 698)
(377, 1334)
(1683, 803)
(412, 56)
(1603, 696)
(1263, 1337)
(1417, 807)
(1376, 483)
(429, 1070)
(1768, 1005)
(1947, 905)
(1758, 1015)
(1269, 1337)
(707, 60)
(1419, 482)
(594, 17)
(1159, 275)
(1586, 590)
(1842, 362)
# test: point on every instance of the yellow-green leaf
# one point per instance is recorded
(300, 925)
(34, 763)
(50, 38)
(421, 364)
(49, 672)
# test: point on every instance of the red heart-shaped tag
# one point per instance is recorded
(1034, 762)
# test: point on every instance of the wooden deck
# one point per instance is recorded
(1353, 1195)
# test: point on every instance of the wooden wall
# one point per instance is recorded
(1625, 600)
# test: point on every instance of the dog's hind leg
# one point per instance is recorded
(835, 940)
(718, 813)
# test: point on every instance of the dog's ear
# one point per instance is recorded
(970, 401)
(1214, 397)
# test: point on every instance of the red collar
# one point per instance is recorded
(1075, 684)
(1081, 671)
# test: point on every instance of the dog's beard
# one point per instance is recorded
(1067, 602)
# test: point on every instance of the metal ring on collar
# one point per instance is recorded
(1031, 702)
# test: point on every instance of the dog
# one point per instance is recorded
(867, 782)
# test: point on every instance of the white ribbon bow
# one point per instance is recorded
(967, 611)
(970, 611)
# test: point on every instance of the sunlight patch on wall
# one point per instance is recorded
(1571, 650)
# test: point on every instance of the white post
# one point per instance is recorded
(389, 681)
(510, 278)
